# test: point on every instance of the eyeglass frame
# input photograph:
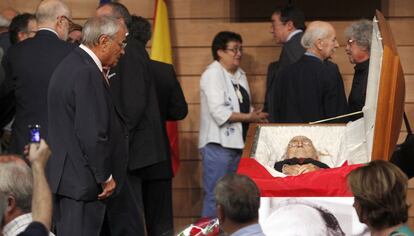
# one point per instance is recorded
(67, 18)
(235, 50)
(121, 44)
(350, 41)
(295, 143)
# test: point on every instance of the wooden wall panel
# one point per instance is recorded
(187, 9)
(192, 198)
(189, 176)
(188, 141)
(398, 8)
(254, 34)
(193, 61)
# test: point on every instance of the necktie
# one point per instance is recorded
(105, 71)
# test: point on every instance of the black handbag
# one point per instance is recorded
(403, 155)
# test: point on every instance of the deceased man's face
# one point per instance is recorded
(301, 147)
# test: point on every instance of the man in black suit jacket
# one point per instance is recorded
(312, 89)
(133, 89)
(29, 66)
(87, 137)
(172, 105)
(287, 29)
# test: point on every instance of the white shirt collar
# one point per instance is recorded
(293, 34)
(49, 29)
(94, 57)
(17, 225)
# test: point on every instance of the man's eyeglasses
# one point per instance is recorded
(69, 20)
(235, 50)
(350, 41)
(298, 143)
(121, 44)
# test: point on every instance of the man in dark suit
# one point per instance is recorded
(311, 89)
(287, 28)
(28, 67)
(134, 93)
(87, 136)
(172, 105)
(22, 27)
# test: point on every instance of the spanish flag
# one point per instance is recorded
(161, 51)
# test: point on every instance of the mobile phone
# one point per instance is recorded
(34, 133)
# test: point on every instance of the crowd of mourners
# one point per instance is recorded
(99, 162)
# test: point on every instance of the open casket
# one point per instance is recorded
(300, 205)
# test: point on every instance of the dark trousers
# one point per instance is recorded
(79, 218)
(126, 211)
(157, 196)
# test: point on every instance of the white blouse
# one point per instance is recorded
(218, 101)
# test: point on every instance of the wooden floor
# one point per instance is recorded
(193, 25)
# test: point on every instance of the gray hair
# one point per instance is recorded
(48, 11)
(3, 205)
(361, 32)
(311, 35)
(239, 198)
(16, 180)
(95, 27)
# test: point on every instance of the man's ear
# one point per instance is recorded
(21, 36)
(319, 44)
(290, 26)
(11, 204)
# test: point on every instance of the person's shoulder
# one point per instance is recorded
(213, 72)
(161, 65)
(35, 229)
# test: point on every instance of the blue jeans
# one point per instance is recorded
(217, 162)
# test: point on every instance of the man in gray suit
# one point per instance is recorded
(287, 28)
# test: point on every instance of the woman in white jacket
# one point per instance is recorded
(225, 114)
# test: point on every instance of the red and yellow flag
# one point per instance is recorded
(161, 51)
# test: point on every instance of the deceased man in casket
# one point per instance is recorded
(300, 157)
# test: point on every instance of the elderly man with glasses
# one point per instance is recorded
(300, 157)
(28, 68)
(87, 136)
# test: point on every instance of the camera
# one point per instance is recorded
(34, 133)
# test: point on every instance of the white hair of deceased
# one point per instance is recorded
(16, 180)
(311, 35)
(49, 11)
(95, 27)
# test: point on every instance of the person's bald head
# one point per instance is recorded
(9, 13)
(115, 9)
(6, 16)
(56, 15)
(320, 39)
